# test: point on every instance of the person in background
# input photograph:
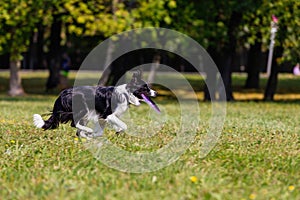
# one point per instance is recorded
(64, 72)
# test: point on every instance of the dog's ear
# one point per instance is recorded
(137, 75)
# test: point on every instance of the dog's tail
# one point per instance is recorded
(54, 119)
(51, 123)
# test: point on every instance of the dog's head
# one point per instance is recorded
(138, 87)
(139, 90)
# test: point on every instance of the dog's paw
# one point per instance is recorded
(119, 132)
(122, 127)
(119, 129)
(83, 134)
(89, 130)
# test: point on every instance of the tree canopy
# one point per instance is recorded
(217, 25)
(206, 21)
(18, 22)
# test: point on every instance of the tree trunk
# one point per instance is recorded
(273, 79)
(223, 62)
(114, 72)
(210, 86)
(227, 55)
(118, 70)
(54, 57)
(31, 58)
(107, 73)
(272, 84)
(223, 58)
(40, 44)
(154, 67)
(253, 66)
(15, 86)
(104, 80)
(211, 77)
(226, 94)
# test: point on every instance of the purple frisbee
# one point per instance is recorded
(150, 103)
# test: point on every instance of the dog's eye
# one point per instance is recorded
(145, 86)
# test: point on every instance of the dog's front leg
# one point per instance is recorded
(113, 119)
(116, 123)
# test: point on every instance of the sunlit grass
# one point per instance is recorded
(257, 156)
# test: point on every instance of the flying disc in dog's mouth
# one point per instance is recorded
(150, 103)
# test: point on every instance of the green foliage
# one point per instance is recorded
(258, 20)
(18, 20)
(154, 13)
(110, 17)
(206, 21)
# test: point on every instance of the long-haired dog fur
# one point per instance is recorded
(84, 104)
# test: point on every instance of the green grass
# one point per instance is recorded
(257, 156)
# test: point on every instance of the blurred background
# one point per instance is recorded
(255, 45)
(55, 36)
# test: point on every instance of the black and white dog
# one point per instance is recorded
(96, 105)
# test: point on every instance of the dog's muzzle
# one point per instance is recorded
(153, 93)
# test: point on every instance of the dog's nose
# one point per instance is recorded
(153, 93)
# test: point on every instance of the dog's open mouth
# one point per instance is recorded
(150, 103)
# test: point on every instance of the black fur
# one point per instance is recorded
(81, 104)
(84, 97)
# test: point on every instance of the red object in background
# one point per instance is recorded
(274, 19)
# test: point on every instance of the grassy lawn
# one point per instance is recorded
(256, 157)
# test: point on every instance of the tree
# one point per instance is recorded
(54, 54)
(91, 18)
(221, 33)
(16, 27)
(254, 66)
(251, 28)
(256, 29)
(143, 14)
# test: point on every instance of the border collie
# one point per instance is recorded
(96, 105)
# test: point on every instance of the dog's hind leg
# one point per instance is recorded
(80, 114)
(98, 128)
(82, 129)
(80, 121)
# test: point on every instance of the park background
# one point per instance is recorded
(36, 35)
(257, 156)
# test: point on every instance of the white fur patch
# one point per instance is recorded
(116, 123)
(152, 93)
(134, 100)
(84, 128)
(38, 121)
